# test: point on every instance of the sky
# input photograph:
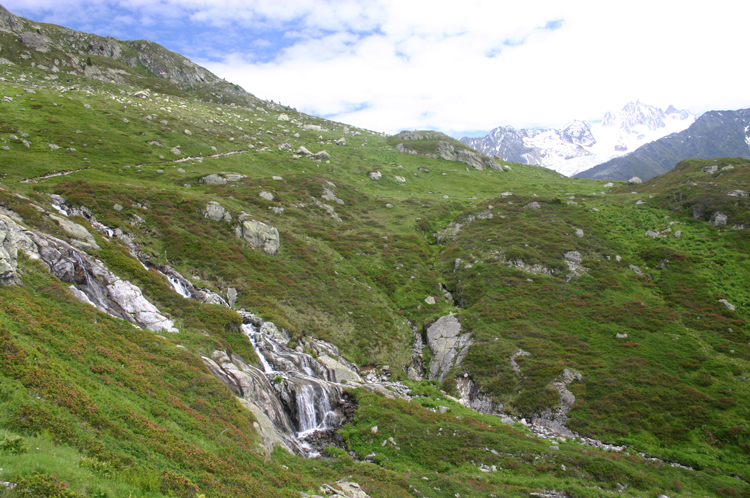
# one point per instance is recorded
(458, 67)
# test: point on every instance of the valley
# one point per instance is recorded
(193, 276)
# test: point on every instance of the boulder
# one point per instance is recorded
(609, 185)
(635, 181)
(532, 205)
(322, 155)
(447, 346)
(266, 195)
(221, 178)
(258, 234)
(400, 179)
(375, 175)
(302, 150)
(718, 219)
(283, 117)
(579, 232)
(341, 141)
(216, 212)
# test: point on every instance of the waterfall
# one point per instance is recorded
(301, 383)
(178, 286)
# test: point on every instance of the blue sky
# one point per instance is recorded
(462, 68)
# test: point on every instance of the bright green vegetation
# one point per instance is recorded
(113, 410)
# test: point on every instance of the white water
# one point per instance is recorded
(179, 287)
(311, 390)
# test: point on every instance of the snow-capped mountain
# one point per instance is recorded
(579, 145)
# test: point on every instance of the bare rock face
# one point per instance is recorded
(555, 419)
(447, 346)
(84, 239)
(258, 234)
(34, 40)
(92, 283)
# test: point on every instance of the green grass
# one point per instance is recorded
(117, 411)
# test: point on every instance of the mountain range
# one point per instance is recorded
(208, 295)
(579, 145)
(714, 134)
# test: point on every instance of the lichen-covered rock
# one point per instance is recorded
(718, 219)
(221, 178)
(532, 205)
(447, 346)
(217, 212)
(635, 181)
(375, 175)
(258, 234)
(84, 239)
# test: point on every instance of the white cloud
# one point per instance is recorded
(393, 64)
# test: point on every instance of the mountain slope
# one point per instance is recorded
(580, 145)
(491, 332)
(714, 134)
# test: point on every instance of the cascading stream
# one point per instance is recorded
(312, 406)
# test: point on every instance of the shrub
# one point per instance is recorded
(44, 486)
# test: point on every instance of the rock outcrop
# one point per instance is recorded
(91, 281)
(447, 346)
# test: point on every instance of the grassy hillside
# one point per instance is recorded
(113, 410)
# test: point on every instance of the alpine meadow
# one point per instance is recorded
(205, 294)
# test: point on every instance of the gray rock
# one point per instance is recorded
(621, 335)
(266, 195)
(718, 219)
(34, 40)
(84, 240)
(573, 256)
(635, 181)
(554, 447)
(532, 205)
(231, 296)
(330, 196)
(579, 232)
(400, 179)
(447, 346)
(429, 300)
(176, 151)
(341, 141)
(726, 303)
(374, 175)
(258, 234)
(322, 155)
(216, 212)
(737, 193)
(221, 178)
(651, 233)
(92, 279)
(609, 185)
(710, 169)
(302, 150)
